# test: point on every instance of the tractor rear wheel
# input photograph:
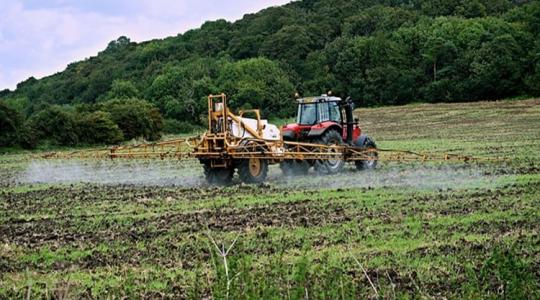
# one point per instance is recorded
(294, 167)
(253, 170)
(367, 143)
(218, 176)
(330, 166)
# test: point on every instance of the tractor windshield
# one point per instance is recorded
(307, 114)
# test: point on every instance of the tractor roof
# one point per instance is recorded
(316, 99)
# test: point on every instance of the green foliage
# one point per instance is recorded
(55, 123)
(369, 68)
(17, 103)
(257, 83)
(118, 44)
(181, 91)
(9, 123)
(319, 79)
(27, 136)
(532, 80)
(108, 122)
(122, 89)
(476, 59)
(291, 44)
(378, 19)
(173, 126)
(210, 39)
(98, 128)
(471, 9)
(136, 118)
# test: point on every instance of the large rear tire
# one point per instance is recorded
(367, 143)
(218, 176)
(330, 166)
(253, 170)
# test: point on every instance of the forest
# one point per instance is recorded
(384, 52)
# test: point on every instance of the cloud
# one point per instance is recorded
(39, 38)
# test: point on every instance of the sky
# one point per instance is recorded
(41, 37)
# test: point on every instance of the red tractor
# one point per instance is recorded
(326, 120)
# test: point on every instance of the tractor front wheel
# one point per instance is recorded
(253, 170)
(333, 165)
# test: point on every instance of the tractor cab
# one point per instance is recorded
(317, 110)
(317, 115)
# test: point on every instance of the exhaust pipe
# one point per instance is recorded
(350, 119)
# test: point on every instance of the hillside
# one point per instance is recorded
(378, 52)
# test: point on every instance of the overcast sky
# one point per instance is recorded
(40, 37)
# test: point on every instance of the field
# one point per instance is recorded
(83, 229)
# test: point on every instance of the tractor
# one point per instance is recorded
(326, 120)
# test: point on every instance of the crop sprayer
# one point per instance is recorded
(325, 137)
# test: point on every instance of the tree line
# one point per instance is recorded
(385, 52)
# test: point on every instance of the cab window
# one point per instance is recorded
(335, 112)
(324, 113)
(307, 114)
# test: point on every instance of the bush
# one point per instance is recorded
(9, 122)
(104, 123)
(55, 123)
(136, 118)
(27, 137)
(98, 128)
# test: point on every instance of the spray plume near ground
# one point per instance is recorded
(171, 173)
(149, 173)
